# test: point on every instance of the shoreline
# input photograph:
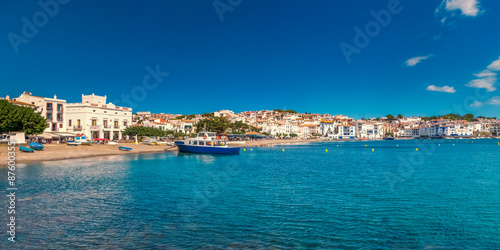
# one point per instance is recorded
(55, 152)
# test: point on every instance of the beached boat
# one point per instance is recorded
(79, 140)
(26, 149)
(73, 143)
(206, 143)
(124, 148)
(36, 146)
(389, 138)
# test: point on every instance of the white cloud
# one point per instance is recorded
(467, 7)
(487, 78)
(416, 60)
(485, 73)
(484, 83)
(495, 66)
(446, 89)
(476, 104)
(494, 100)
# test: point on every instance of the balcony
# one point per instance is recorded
(106, 126)
(96, 128)
(77, 128)
(116, 127)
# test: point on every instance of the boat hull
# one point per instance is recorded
(36, 146)
(124, 148)
(207, 150)
(26, 149)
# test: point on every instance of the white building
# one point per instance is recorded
(96, 118)
(52, 109)
(370, 131)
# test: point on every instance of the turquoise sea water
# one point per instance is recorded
(439, 197)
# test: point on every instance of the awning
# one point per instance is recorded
(254, 134)
(235, 135)
(44, 136)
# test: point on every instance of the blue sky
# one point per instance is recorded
(431, 57)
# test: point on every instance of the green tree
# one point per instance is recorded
(469, 117)
(16, 118)
(144, 131)
(390, 117)
(293, 135)
(400, 116)
(216, 124)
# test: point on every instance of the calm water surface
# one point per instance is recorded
(442, 197)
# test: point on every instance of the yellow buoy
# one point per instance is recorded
(397, 145)
(244, 149)
(326, 150)
(337, 146)
(283, 150)
(439, 145)
(416, 149)
(366, 145)
(373, 149)
(453, 144)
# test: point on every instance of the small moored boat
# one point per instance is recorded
(79, 140)
(206, 143)
(73, 143)
(26, 149)
(124, 148)
(36, 146)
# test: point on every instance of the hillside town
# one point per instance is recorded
(97, 118)
(332, 127)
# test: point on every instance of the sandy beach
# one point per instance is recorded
(53, 152)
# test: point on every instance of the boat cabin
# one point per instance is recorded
(207, 139)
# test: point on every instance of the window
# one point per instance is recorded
(59, 107)
(49, 106)
(116, 124)
(125, 123)
(49, 116)
(59, 117)
(78, 122)
(105, 123)
(69, 123)
(60, 125)
(94, 122)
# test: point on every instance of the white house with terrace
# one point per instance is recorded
(52, 109)
(97, 119)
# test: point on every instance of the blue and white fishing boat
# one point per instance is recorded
(206, 143)
(36, 146)
(124, 148)
(79, 140)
